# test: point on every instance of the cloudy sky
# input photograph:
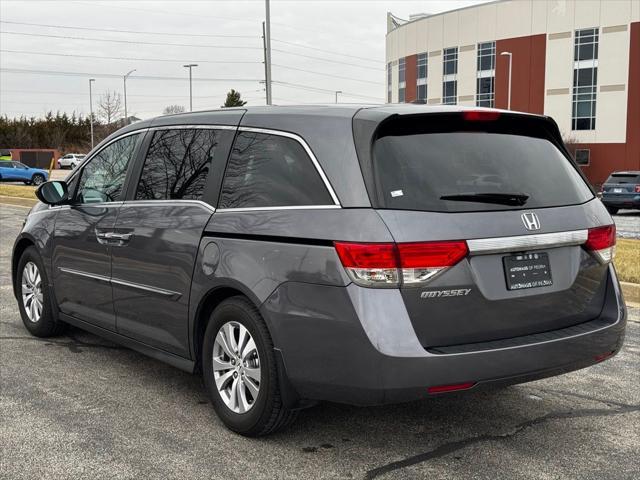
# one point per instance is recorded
(49, 50)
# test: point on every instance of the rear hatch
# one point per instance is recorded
(621, 186)
(504, 185)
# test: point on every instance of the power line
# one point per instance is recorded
(38, 92)
(339, 62)
(136, 32)
(328, 74)
(112, 75)
(300, 45)
(137, 59)
(132, 42)
(318, 89)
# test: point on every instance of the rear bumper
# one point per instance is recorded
(622, 201)
(354, 348)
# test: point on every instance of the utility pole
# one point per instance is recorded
(190, 66)
(510, 55)
(267, 62)
(91, 80)
(266, 74)
(126, 117)
(337, 92)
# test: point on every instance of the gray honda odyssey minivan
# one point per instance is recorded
(357, 254)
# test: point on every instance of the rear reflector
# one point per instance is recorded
(601, 241)
(384, 264)
(480, 116)
(450, 388)
(604, 356)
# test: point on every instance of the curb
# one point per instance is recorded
(631, 292)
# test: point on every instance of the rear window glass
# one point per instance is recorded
(623, 178)
(475, 171)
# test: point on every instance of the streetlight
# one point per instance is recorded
(337, 92)
(508, 54)
(124, 78)
(91, 80)
(190, 66)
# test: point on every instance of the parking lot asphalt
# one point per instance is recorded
(78, 406)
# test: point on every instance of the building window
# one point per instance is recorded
(402, 84)
(389, 82)
(585, 79)
(485, 83)
(582, 157)
(450, 76)
(421, 81)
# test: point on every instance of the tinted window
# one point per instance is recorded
(623, 178)
(271, 171)
(413, 172)
(177, 164)
(101, 180)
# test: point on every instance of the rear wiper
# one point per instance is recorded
(516, 199)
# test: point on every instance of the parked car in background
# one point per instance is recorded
(19, 172)
(71, 160)
(621, 190)
(364, 255)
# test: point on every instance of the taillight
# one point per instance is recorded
(390, 264)
(421, 261)
(637, 189)
(601, 242)
(480, 115)
(370, 264)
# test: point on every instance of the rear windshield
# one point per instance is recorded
(623, 178)
(473, 171)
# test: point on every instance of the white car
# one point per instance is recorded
(70, 160)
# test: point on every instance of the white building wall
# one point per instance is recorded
(558, 19)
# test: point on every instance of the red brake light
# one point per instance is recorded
(480, 116)
(450, 388)
(637, 189)
(432, 254)
(367, 255)
(601, 237)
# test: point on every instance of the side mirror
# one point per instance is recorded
(53, 193)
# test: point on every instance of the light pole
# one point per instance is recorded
(267, 51)
(508, 54)
(337, 92)
(91, 80)
(190, 66)
(124, 78)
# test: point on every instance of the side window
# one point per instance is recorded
(102, 179)
(271, 171)
(177, 164)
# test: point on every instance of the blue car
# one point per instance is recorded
(621, 190)
(11, 171)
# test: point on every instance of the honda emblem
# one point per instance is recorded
(530, 221)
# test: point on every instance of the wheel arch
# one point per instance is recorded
(207, 304)
(20, 246)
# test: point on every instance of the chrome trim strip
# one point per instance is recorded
(266, 209)
(483, 246)
(200, 127)
(307, 149)
(101, 278)
(147, 288)
(155, 203)
(139, 286)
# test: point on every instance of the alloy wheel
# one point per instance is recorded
(32, 292)
(236, 367)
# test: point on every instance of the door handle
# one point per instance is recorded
(113, 238)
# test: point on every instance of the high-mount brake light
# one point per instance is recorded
(601, 242)
(480, 116)
(390, 264)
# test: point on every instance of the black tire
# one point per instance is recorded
(37, 179)
(612, 210)
(47, 325)
(267, 413)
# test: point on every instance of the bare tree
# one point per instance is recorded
(171, 109)
(110, 106)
